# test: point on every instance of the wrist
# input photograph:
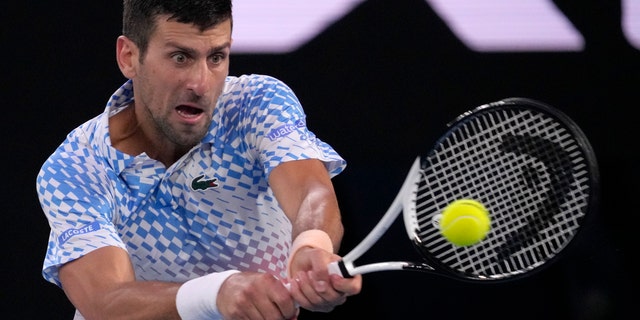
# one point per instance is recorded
(196, 298)
(310, 238)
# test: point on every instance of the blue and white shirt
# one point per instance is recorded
(211, 211)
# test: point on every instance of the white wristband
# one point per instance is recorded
(196, 298)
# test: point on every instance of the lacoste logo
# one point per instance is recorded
(73, 232)
(199, 184)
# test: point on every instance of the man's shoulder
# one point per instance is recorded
(252, 82)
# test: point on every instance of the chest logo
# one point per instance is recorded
(203, 184)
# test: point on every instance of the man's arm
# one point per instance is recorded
(305, 192)
(102, 285)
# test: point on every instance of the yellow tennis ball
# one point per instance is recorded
(465, 222)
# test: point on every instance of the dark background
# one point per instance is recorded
(378, 85)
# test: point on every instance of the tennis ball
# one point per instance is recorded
(465, 222)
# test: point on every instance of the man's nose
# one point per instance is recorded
(200, 79)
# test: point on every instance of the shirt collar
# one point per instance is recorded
(119, 160)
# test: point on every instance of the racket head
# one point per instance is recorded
(533, 169)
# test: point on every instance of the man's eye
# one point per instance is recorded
(217, 59)
(179, 58)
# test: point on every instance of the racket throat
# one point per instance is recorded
(421, 267)
(343, 269)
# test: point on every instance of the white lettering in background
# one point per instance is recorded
(631, 21)
(271, 26)
(509, 25)
(280, 26)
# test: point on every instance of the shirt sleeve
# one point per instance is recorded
(74, 194)
(276, 127)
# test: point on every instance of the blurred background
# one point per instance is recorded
(379, 79)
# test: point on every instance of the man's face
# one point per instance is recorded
(180, 79)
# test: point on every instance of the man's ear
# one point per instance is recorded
(127, 54)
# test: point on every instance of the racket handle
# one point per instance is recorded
(334, 268)
(338, 267)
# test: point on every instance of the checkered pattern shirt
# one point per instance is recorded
(210, 211)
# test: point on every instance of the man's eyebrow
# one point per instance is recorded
(179, 47)
(192, 51)
(219, 48)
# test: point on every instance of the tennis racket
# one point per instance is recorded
(528, 163)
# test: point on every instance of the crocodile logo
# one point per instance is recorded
(203, 184)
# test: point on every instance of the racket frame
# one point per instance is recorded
(405, 202)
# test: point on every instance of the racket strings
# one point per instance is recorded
(527, 169)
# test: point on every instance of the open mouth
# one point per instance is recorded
(188, 112)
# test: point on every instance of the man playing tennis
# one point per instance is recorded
(195, 194)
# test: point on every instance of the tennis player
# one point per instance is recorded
(194, 194)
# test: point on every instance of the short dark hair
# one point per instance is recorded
(139, 16)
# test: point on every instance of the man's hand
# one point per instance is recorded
(313, 287)
(252, 295)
